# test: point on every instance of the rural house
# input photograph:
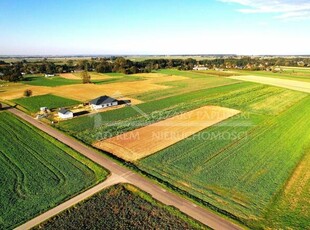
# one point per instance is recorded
(65, 114)
(200, 67)
(49, 75)
(103, 102)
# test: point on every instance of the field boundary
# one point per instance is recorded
(288, 84)
(111, 180)
(147, 140)
(198, 213)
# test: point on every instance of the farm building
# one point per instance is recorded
(65, 114)
(199, 67)
(49, 75)
(103, 102)
(43, 109)
(124, 102)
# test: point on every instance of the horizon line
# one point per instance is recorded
(140, 55)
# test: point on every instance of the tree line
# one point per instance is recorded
(15, 71)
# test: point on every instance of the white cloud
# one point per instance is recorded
(286, 9)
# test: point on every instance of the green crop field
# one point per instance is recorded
(121, 207)
(50, 101)
(125, 78)
(240, 174)
(37, 172)
(291, 207)
(50, 82)
(90, 128)
(239, 167)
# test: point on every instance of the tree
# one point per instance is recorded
(27, 93)
(103, 67)
(12, 74)
(85, 77)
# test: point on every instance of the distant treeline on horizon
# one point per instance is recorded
(14, 71)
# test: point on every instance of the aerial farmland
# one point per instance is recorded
(155, 115)
(237, 138)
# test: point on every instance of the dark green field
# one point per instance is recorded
(50, 81)
(121, 207)
(37, 172)
(125, 78)
(50, 101)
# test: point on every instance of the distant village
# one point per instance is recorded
(14, 71)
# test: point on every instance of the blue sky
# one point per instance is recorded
(60, 27)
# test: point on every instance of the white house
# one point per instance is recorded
(103, 102)
(200, 67)
(49, 75)
(43, 109)
(65, 114)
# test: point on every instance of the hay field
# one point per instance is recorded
(69, 76)
(16, 90)
(84, 92)
(289, 84)
(147, 140)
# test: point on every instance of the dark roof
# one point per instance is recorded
(102, 100)
(121, 102)
(64, 111)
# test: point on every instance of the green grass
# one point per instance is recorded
(50, 82)
(291, 207)
(116, 74)
(121, 207)
(37, 172)
(125, 78)
(50, 101)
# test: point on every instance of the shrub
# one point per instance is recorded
(27, 93)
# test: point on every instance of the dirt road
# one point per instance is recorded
(121, 174)
(289, 84)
